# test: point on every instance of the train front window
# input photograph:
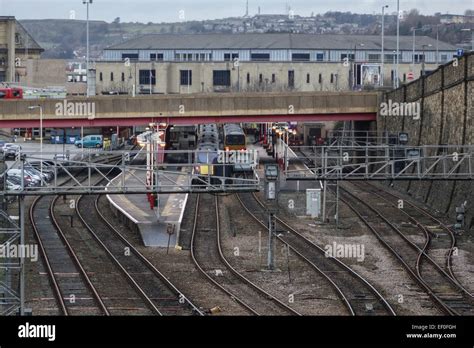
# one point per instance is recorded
(235, 140)
(206, 157)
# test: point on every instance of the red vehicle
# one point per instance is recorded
(11, 93)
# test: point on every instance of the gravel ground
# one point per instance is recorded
(301, 288)
(379, 267)
(178, 267)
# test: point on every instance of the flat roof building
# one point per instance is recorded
(206, 63)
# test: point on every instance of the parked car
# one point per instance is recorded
(10, 150)
(90, 141)
(48, 171)
(14, 175)
(13, 186)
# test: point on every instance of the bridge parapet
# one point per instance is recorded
(188, 106)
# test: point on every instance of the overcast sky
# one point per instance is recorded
(169, 10)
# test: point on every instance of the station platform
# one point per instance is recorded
(153, 229)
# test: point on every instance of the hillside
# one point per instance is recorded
(62, 38)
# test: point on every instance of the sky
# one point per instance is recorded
(178, 10)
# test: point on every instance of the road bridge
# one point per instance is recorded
(107, 111)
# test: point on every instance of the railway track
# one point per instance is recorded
(424, 219)
(208, 257)
(72, 287)
(439, 287)
(157, 292)
(60, 254)
(118, 295)
(356, 293)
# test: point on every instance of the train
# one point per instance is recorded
(225, 146)
(234, 138)
(11, 93)
(32, 93)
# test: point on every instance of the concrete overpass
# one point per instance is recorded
(191, 109)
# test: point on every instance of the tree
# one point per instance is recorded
(116, 20)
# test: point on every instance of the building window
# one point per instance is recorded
(444, 58)
(332, 78)
(273, 78)
(111, 76)
(308, 78)
(101, 77)
(230, 56)
(419, 58)
(374, 57)
(300, 57)
(260, 78)
(202, 56)
(291, 79)
(130, 56)
(260, 56)
(123, 77)
(221, 78)
(248, 78)
(186, 77)
(320, 78)
(320, 57)
(156, 57)
(177, 57)
(349, 56)
(145, 76)
(392, 57)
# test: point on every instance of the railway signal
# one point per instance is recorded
(271, 195)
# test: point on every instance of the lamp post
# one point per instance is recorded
(41, 137)
(87, 2)
(472, 37)
(382, 55)
(423, 65)
(398, 44)
(414, 46)
(394, 69)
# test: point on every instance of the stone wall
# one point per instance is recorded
(447, 117)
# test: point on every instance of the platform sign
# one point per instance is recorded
(403, 138)
(313, 203)
(460, 52)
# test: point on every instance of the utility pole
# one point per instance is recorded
(382, 56)
(87, 2)
(398, 44)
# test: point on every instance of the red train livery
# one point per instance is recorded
(11, 93)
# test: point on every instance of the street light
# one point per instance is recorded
(398, 43)
(472, 36)
(382, 56)
(87, 2)
(41, 136)
(423, 65)
(414, 38)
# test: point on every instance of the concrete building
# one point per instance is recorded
(202, 63)
(17, 47)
